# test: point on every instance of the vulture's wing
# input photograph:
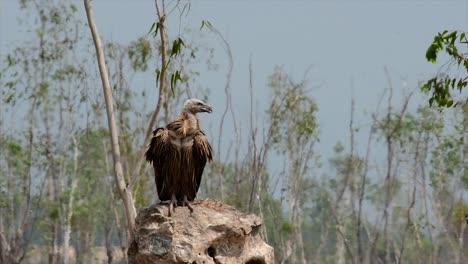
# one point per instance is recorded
(157, 154)
(201, 152)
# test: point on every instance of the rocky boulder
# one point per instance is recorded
(214, 233)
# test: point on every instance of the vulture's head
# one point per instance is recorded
(196, 106)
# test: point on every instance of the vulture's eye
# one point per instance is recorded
(199, 103)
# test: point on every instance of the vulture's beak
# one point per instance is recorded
(207, 108)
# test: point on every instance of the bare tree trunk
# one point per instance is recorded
(125, 193)
(113, 213)
(442, 223)
(5, 255)
(67, 231)
(297, 243)
(344, 194)
(361, 199)
(388, 193)
(460, 255)
(409, 221)
(79, 248)
(107, 238)
(82, 254)
(464, 219)
(430, 228)
(3, 243)
(53, 247)
(260, 203)
(340, 245)
(323, 239)
(278, 238)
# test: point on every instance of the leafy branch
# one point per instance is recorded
(159, 28)
(442, 85)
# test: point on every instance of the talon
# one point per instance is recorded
(172, 205)
(187, 203)
(169, 210)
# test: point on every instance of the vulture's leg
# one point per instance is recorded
(172, 205)
(187, 203)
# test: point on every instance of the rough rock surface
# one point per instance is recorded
(214, 233)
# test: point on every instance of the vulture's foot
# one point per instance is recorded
(187, 203)
(172, 205)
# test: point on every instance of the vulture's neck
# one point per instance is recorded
(185, 125)
(189, 115)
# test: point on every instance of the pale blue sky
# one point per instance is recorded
(341, 40)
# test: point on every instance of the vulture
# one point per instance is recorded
(179, 153)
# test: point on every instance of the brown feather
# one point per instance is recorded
(179, 153)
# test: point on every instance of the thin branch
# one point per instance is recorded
(227, 89)
(162, 89)
(125, 193)
(409, 222)
(345, 241)
(361, 198)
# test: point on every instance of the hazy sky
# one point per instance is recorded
(344, 41)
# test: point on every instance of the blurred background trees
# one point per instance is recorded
(401, 198)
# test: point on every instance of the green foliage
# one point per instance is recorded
(139, 52)
(206, 23)
(441, 86)
(53, 212)
(175, 77)
(446, 162)
(16, 157)
(175, 51)
(73, 8)
(286, 227)
(154, 29)
(177, 46)
(460, 214)
(292, 112)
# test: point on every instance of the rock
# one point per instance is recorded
(214, 233)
